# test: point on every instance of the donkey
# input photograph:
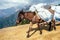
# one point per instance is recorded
(34, 18)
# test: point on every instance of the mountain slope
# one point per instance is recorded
(19, 33)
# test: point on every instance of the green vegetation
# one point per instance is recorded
(24, 21)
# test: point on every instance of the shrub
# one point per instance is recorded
(24, 21)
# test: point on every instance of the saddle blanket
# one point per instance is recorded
(45, 14)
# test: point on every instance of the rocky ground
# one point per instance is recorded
(19, 33)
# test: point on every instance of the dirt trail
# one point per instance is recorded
(19, 33)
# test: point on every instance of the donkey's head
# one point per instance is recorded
(20, 17)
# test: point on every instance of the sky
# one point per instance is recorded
(13, 3)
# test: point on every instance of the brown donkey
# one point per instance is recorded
(34, 18)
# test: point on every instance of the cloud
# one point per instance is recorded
(39, 1)
(4, 6)
(56, 2)
(11, 3)
(43, 1)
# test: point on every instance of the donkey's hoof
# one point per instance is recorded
(28, 36)
(49, 30)
(40, 32)
(55, 28)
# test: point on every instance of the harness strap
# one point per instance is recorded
(37, 14)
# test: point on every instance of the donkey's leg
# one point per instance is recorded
(50, 23)
(30, 28)
(39, 27)
(53, 24)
